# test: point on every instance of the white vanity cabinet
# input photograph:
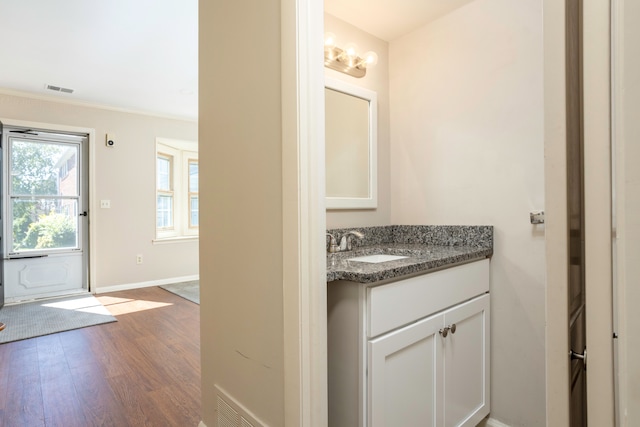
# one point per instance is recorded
(413, 352)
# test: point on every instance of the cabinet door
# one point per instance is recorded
(404, 381)
(466, 363)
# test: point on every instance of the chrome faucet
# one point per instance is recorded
(345, 241)
(333, 246)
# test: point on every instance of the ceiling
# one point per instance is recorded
(142, 55)
(390, 19)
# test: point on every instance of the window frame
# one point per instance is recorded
(166, 192)
(180, 154)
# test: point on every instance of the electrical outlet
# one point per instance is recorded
(105, 204)
(139, 259)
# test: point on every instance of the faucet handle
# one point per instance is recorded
(333, 246)
(345, 241)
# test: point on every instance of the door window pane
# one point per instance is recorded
(50, 223)
(43, 169)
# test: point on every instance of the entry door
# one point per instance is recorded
(45, 214)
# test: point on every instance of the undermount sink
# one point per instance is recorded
(374, 259)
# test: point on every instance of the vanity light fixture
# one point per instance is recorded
(347, 60)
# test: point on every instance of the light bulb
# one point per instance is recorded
(369, 59)
(329, 40)
(351, 50)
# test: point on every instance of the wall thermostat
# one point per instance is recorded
(111, 140)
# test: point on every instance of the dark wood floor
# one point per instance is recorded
(143, 370)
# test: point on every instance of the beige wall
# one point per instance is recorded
(241, 238)
(469, 150)
(124, 174)
(377, 79)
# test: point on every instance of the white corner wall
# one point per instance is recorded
(377, 80)
(124, 174)
(467, 148)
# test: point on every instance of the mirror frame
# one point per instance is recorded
(372, 97)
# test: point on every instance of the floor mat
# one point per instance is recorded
(49, 316)
(186, 290)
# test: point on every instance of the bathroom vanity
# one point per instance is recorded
(408, 339)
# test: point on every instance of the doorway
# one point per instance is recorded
(45, 213)
(584, 81)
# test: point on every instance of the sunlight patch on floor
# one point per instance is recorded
(86, 305)
(119, 306)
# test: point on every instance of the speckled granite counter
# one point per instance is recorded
(427, 247)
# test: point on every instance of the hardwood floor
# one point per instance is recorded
(143, 370)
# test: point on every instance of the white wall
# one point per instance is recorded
(467, 148)
(377, 79)
(124, 174)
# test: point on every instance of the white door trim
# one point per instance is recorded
(597, 139)
(556, 234)
(626, 129)
(92, 182)
(304, 218)
(597, 210)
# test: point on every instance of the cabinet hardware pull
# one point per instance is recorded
(453, 328)
(444, 332)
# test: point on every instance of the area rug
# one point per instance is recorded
(186, 290)
(49, 316)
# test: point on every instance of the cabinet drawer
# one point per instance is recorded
(406, 301)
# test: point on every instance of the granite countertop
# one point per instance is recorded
(426, 247)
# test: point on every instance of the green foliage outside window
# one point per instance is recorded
(51, 231)
(36, 224)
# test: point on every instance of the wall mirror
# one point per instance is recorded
(350, 146)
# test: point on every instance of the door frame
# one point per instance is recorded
(304, 214)
(91, 200)
(626, 231)
(598, 223)
(597, 210)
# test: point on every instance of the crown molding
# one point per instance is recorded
(87, 104)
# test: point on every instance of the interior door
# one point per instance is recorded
(45, 213)
(575, 220)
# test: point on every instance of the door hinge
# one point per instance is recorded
(580, 356)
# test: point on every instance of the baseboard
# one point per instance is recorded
(492, 422)
(487, 422)
(159, 282)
